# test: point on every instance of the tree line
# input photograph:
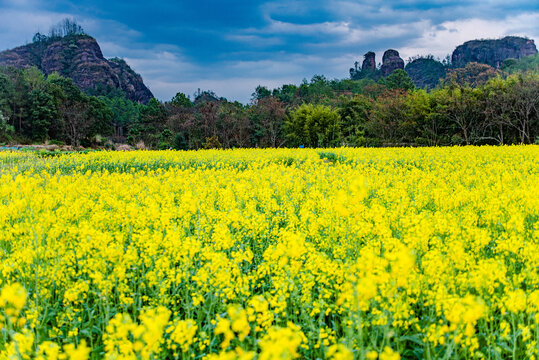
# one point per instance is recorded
(473, 105)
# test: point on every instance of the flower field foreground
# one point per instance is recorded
(428, 253)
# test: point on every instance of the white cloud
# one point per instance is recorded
(112, 29)
(233, 88)
(359, 36)
(442, 39)
(326, 47)
(19, 26)
(162, 65)
(255, 41)
(328, 27)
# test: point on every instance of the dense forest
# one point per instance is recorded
(475, 104)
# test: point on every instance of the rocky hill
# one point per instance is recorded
(492, 52)
(79, 57)
(427, 72)
(391, 61)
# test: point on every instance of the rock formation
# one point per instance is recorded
(369, 62)
(79, 57)
(391, 61)
(492, 52)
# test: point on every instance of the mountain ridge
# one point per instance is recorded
(80, 58)
(425, 71)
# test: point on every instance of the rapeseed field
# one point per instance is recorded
(429, 253)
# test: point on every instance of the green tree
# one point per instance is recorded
(100, 117)
(151, 122)
(429, 111)
(260, 93)
(473, 74)
(71, 103)
(387, 119)
(6, 94)
(515, 104)
(233, 125)
(267, 116)
(34, 78)
(124, 113)
(6, 131)
(83, 116)
(18, 101)
(181, 100)
(42, 115)
(527, 63)
(180, 142)
(317, 91)
(286, 93)
(425, 121)
(314, 126)
(354, 116)
(398, 79)
(465, 109)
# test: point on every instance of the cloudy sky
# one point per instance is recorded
(230, 47)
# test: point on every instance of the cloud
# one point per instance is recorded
(231, 47)
(19, 26)
(440, 40)
(250, 74)
(234, 88)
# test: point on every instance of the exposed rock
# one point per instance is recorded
(492, 52)
(425, 72)
(369, 62)
(391, 61)
(80, 58)
(368, 68)
(130, 81)
(21, 57)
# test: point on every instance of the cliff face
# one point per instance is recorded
(391, 61)
(492, 52)
(79, 58)
(369, 62)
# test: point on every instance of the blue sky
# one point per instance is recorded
(230, 47)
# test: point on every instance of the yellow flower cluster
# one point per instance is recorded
(125, 339)
(271, 254)
(12, 300)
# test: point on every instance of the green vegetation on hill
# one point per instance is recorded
(482, 58)
(528, 63)
(426, 72)
(70, 52)
(473, 104)
(40, 108)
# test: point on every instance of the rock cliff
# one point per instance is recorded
(79, 57)
(369, 62)
(492, 52)
(426, 71)
(391, 61)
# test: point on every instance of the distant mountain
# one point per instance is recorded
(427, 72)
(79, 57)
(492, 52)
(391, 61)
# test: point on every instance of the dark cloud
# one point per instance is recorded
(232, 46)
